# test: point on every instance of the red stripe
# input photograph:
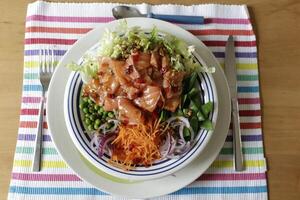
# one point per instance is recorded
(221, 32)
(72, 41)
(49, 41)
(57, 30)
(27, 111)
(237, 43)
(227, 177)
(247, 113)
(250, 125)
(249, 101)
(31, 124)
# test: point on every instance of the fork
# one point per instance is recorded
(46, 69)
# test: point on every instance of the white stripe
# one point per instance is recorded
(224, 183)
(228, 144)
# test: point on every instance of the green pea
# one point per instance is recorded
(85, 110)
(99, 112)
(101, 109)
(92, 117)
(90, 127)
(110, 115)
(81, 106)
(96, 107)
(87, 121)
(87, 115)
(104, 114)
(97, 121)
(90, 101)
(96, 126)
(91, 110)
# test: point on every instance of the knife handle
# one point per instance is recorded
(236, 132)
(184, 19)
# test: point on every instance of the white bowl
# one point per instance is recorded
(82, 138)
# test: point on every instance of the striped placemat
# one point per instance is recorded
(62, 24)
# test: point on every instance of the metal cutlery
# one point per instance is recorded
(231, 74)
(46, 69)
(120, 12)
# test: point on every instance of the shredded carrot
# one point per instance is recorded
(137, 144)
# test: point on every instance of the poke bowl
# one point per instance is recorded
(140, 104)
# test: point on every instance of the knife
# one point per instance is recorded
(231, 74)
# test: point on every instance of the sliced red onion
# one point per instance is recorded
(104, 140)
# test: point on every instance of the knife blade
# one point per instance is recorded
(231, 74)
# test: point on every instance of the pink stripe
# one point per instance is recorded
(68, 19)
(45, 177)
(227, 177)
(30, 99)
(108, 19)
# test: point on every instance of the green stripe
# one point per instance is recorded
(29, 150)
(31, 76)
(249, 150)
(247, 77)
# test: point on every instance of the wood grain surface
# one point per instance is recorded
(277, 27)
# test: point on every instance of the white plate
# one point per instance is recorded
(105, 182)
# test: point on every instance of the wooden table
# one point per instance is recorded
(277, 27)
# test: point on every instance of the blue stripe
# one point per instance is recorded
(36, 52)
(55, 190)
(221, 190)
(248, 89)
(237, 54)
(32, 88)
(93, 191)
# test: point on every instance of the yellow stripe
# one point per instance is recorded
(240, 66)
(244, 66)
(34, 64)
(229, 163)
(45, 164)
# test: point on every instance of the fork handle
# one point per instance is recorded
(38, 140)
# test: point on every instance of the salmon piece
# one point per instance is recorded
(111, 85)
(141, 61)
(118, 68)
(172, 83)
(149, 99)
(155, 60)
(172, 104)
(128, 112)
(165, 64)
(110, 104)
(131, 71)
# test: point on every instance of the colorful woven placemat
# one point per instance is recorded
(61, 24)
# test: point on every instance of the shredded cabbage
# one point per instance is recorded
(88, 67)
(119, 43)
